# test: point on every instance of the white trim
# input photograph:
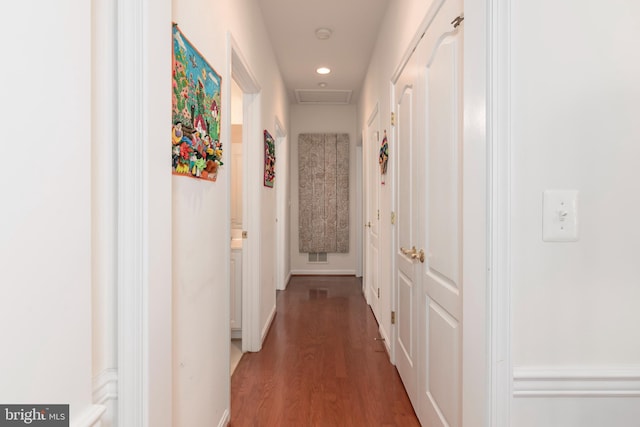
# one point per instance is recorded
(576, 382)
(386, 336)
(224, 421)
(236, 334)
(373, 115)
(499, 171)
(105, 386)
(281, 186)
(90, 417)
(323, 273)
(132, 251)
(267, 325)
(286, 281)
(413, 44)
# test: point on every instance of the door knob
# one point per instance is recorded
(413, 253)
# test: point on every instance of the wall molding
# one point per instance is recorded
(105, 386)
(576, 382)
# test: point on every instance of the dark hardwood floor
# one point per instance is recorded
(320, 364)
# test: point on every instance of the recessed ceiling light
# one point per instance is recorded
(322, 84)
(323, 33)
(323, 70)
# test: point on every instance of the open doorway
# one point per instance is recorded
(237, 171)
(251, 176)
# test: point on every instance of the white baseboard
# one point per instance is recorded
(387, 340)
(323, 272)
(265, 329)
(576, 382)
(90, 417)
(224, 421)
(236, 334)
(105, 386)
(286, 281)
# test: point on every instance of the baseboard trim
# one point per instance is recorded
(267, 325)
(576, 382)
(105, 386)
(224, 421)
(387, 340)
(90, 417)
(286, 281)
(236, 334)
(323, 273)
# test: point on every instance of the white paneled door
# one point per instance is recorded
(407, 274)
(429, 261)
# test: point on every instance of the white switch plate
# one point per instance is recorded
(560, 216)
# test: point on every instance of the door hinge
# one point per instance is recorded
(378, 292)
(245, 234)
(393, 118)
(393, 317)
(457, 21)
(393, 218)
(378, 213)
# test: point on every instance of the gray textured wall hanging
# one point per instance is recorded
(323, 177)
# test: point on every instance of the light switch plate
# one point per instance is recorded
(560, 216)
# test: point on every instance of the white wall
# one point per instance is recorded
(323, 118)
(45, 230)
(574, 125)
(201, 214)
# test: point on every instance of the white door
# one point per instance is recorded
(429, 261)
(441, 299)
(372, 220)
(407, 274)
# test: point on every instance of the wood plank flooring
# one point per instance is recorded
(320, 365)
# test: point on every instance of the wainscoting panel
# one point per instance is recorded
(576, 382)
(576, 397)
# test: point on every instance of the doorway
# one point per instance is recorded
(251, 185)
(236, 224)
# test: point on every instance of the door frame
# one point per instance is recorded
(282, 190)
(239, 70)
(368, 191)
(497, 92)
(487, 364)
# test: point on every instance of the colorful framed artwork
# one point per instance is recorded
(196, 150)
(269, 159)
(383, 159)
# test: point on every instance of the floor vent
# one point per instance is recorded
(319, 293)
(317, 257)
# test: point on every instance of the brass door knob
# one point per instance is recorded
(413, 253)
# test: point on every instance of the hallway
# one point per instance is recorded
(320, 364)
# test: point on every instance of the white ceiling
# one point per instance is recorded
(292, 24)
